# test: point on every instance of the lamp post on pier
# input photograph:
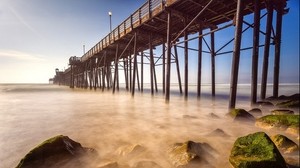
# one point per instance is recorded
(110, 13)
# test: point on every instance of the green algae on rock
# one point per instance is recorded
(256, 150)
(282, 112)
(289, 104)
(279, 121)
(284, 144)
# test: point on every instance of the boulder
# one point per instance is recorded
(289, 104)
(55, 151)
(294, 130)
(146, 164)
(255, 111)
(284, 144)
(192, 154)
(218, 132)
(282, 112)
(131, 150)
(241, 115)
(256, 150)
(110, 165)
(213, 115)
(278, 121)
(264, 104)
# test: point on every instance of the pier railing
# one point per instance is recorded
(143, 14)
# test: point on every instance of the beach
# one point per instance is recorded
(112, 123)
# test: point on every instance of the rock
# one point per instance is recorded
(282, 112)
(255, 151)
(241, 115)
(189, 117)
(110, 165)
(146, 164)
(191, 154)
(264, 104)
(284, 144)
(255, 111)
(278, 121)
(55, 151)
(218, 132)
(293, 162)
(294, 130)
(289, 104)
(213, 115)
(131, 150)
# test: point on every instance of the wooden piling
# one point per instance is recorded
(255, 51)
(186, 63)
(178, 69)
(236, 54)
(277, 49)
(134, 64)
(266, 50)
(199, 63)
(169, 45)
(213, 64)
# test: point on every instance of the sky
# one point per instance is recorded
(37, 36)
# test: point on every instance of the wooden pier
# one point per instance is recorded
(172, 24)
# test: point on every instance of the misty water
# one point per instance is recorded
(113, 123)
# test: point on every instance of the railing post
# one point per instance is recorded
(140, 16)
(149, 9)
(131, 24)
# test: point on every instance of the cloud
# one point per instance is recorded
(18, 55)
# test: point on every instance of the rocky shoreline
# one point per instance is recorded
(254, 150)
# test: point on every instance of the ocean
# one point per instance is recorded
(110, 123)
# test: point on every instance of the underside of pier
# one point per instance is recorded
(172, 24)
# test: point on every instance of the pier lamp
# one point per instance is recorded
(110, 13)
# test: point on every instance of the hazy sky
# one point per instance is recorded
(37, 36)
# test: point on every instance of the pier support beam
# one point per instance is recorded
(236, 53)
(186, 63)
(178, 69)
(151, 64)
(164, 67)
(213, 64)
(199, 63)
(169, 45)
(255, 51)
(134, 64)
(142, 71)
(266, 50)
(277, 49)
(116, 69)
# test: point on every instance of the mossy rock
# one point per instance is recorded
(284, 144)
(289, 104)
(241, 115)
(191, 154)
(279, 121)
(256, 151)
(59, 149)
(282, 112)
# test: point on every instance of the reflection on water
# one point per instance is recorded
(29, 114)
